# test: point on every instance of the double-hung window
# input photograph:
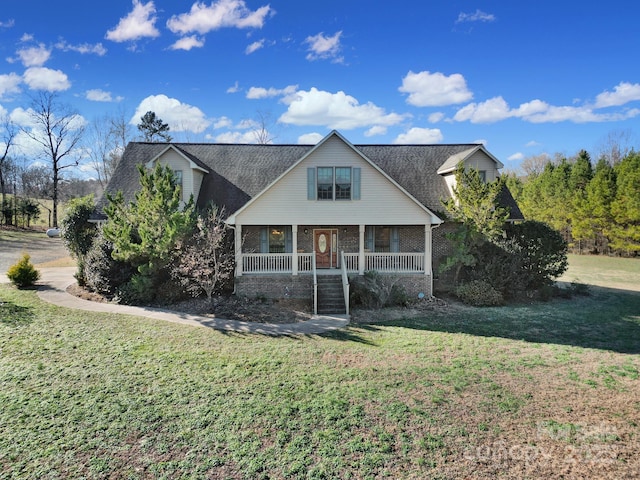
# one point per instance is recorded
(343, 183)
(325, 183)
(333, 183)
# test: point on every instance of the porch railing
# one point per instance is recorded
(381, 262)
(394, 262)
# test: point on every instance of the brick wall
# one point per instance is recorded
(275, 286)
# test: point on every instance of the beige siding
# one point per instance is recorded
(191, 179)
(480, 161)
(286, 202)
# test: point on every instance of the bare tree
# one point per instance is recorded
(615, 146)
(9, 132)
(108, 136)
(261, 132)
(57, 130)
(534, 165)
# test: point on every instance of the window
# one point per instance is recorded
(177, 174)
(276, 240)
(333, 183)
(325, 183)
(380, 239)
(343, 183)
(483, 175)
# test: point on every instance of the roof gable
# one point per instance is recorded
(333, 150)
(193, 162)
(453, 161)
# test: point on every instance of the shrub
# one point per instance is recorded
(102, 273)
(543, 252)
(23, 274)
(78, 233)
(373, 290)
(479, 294)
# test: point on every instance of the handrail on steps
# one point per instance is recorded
(315, 283)
(345, 282)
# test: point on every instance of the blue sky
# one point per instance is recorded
(525, 78)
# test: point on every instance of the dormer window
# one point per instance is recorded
(177, 176)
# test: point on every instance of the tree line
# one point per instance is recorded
(595, 207)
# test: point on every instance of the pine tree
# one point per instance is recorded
(145, 232)
(625, 208)
(151, 127)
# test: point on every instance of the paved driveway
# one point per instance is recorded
(41, 248)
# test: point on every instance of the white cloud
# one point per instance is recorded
(42, 78)
(537, 111)
(532, 143)
(489, 111)
(516, 156)
(139, 23)
(255, 46)
(223, 13)
(428, 89)
(9, 84)
(309, 138)
(83, 48)
(22, 117)
(420, 136)
(256, 93)
(335, 110)
(34, 56)
(222, 122)
(98, 95)
(477, 16)
(436, 117)
(237, 137)
(235, 88)
(322, 47)
(623, 93)
(375, 130)
(181, 117)
(187, 43)
(7, 24)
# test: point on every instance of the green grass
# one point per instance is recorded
(604, 271)
(88, 395)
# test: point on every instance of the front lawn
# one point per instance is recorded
(533, 391)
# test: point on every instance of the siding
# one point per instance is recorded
(191, 179)
(286, 202)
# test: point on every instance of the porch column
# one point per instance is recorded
(427, 249)
(361, 252)
(294, 248)
(238, 247)
(428, 254)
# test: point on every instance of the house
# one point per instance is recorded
(301, 213)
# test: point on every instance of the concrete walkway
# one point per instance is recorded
(53, 289)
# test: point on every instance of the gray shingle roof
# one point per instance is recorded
(240, 172)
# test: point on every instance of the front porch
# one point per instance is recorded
(298, 249)
(284, 263)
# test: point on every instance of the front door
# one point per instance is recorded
(326, 247)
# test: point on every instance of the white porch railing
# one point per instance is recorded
(275, 262)
(266, 262)
(345, 283)
(381, 262)
(394, 262)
